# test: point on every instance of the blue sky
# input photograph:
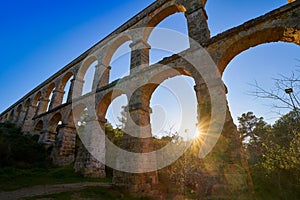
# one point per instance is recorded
(40, 37)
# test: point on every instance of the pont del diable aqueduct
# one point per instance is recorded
(42, 111)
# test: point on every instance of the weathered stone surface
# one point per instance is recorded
(87, 165)
(63, 153)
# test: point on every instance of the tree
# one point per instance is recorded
(273, 154)
(19, 150)
(251, 127)
(282, 150)
(274, 151)
(285, 94)
(252, 131)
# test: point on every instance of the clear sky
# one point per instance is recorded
(40, 37)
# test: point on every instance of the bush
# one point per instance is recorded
(18, 150)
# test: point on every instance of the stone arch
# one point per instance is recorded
(27, 113)
(113, 46)
(178, 114)
(27, 104)
(267, 35)
(73, 119)
(74, 116)
(65, 80)
(11, 115)
(106, 101)
(169, 37)
(142, 96)
(120, 63)
(53, 125)
(160, 77)
(117, 46)
(85, 66)
(18, 112)
(38, 128)
(48, 96)
(6, 117)
(36, 99)
(159, 17)
(86, 70)
(65, 85)
(49, 90)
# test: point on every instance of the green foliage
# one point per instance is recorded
(91, 193)
(282, 145)
(114, 134)
(273, 155)
(252, 131)
(13, 178)
(18, 150)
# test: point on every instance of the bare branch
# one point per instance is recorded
(281, 99)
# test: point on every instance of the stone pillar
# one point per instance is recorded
(11, 116)
(42, 107)
(57, 98)
(21, 117)
(4, 118)
(225, 168)
(63, 153)
(137, 138)
(47, 137)
(76, 88)
(15, 117)
(28, 122)
(94, 142)
(101, 77)
(139, 54)
(197, 24)
(204, 106)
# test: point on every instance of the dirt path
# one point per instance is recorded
(47, 189)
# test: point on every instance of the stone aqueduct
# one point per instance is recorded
(54, 120)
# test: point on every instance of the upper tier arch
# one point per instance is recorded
(159, 17)
(277, 34)
(281, 25)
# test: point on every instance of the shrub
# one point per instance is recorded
(19, 150)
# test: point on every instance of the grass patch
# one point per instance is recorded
(91, 193)
(13, 179)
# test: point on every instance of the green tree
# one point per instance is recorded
(273, 155)
(251, 128)
(253, 131)
(18, 150)
(282, 147)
